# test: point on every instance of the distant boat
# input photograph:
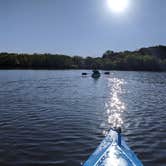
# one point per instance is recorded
(113, 151)
(84, 74)
(95, 74)
(107, 73)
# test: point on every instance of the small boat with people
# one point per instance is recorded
(113, 151)
(95, 74)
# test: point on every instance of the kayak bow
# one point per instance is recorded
(113, 151)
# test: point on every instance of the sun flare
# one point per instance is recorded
(118, 6)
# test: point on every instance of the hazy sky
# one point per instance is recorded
(79, 27)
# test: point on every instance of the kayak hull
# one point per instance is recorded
(113, 151)
(95, 75)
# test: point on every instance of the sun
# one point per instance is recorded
(118, 6)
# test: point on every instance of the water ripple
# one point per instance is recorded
(58, 117)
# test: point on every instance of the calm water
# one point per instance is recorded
(59, 117)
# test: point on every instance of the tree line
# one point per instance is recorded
(150, 59)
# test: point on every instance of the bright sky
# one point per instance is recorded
(80, 27)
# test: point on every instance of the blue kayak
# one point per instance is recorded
(113, 151)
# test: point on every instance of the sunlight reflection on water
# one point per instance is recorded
(114, 106)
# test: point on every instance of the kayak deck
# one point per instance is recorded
(113, 151)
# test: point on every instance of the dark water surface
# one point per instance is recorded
(59, 117)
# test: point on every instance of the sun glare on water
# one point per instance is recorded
(113, 105)
(118, 6)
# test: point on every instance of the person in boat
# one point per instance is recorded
(96, 74)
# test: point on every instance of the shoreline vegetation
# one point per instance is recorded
(144, 59)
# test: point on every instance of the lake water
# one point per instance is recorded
(58, 118)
